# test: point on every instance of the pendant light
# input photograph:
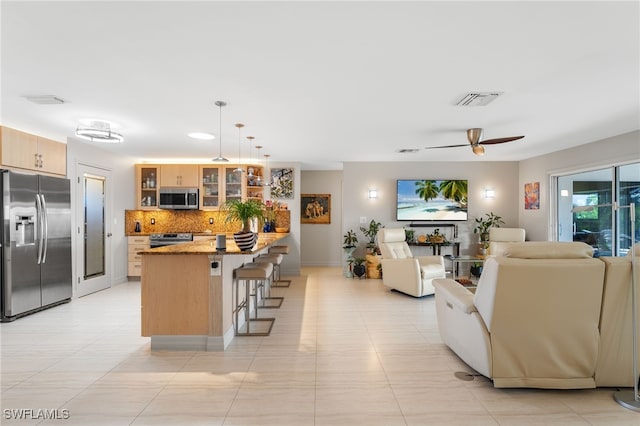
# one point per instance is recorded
(250, 169)
(220, 158)
(267, 170)
(239, 168)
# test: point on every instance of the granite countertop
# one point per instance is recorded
(209, 246)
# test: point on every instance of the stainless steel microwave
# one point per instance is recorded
(178, 198)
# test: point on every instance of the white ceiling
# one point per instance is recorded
(322, 83)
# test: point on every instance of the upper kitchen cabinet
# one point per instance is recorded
(26, 151)
(147, 177)
(182, 175)
(210, 195)
(233, 183)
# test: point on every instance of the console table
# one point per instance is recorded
(437, 247)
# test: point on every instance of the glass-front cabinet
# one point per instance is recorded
(147, 178)
(210, 187)
(232, 183)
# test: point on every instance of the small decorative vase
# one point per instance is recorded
(245, 240)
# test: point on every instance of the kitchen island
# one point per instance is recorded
(187, 292)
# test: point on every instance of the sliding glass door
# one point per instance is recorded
(586, 208)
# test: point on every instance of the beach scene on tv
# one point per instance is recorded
(432, 200)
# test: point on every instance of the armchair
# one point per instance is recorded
(501, 238)
(401, 270)
(533, 320)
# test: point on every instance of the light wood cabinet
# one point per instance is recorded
(147, 195)
(210, 193)
(216, 184)
(134, 245)
(26, 151)
(180, 175)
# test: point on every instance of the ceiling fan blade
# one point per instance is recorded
(446, 146)
(500, 140)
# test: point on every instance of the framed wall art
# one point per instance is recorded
(315, 208)
(532, 196)
(281, 183)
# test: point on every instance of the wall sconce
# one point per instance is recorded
(373, 193)
(564, 192)
(489, 193)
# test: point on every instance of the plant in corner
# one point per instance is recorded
(244, 212)
(349, 246)
(483, 224)
(371, 233)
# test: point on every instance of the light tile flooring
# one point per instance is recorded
(341, 352)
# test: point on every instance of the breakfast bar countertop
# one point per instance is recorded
(208, 246)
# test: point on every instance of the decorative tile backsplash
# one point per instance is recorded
(194, 221)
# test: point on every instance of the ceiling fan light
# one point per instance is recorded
(477, 149)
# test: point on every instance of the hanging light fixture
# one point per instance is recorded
(259, 177)
(98, 131)
(220, 158)
(239, 168)
(250, 169)
(266, 169)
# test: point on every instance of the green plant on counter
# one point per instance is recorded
(243, 211)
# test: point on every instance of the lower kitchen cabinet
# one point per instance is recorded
(135, 244)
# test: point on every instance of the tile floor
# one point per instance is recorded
(341, 352)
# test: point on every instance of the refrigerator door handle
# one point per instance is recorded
(39, 231)
(45, 221)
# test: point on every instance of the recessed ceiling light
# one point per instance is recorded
(201, 135)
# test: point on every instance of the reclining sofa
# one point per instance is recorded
(544, 315)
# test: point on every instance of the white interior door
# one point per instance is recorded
(93, 228)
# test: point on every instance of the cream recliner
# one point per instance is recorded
(533, 320)
(615, 362)
(501, 238)
(403, 272)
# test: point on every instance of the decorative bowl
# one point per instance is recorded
(282, 230)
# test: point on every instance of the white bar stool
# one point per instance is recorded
(281, 250)
(256, 274)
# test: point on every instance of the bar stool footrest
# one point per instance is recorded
(271, 302)
(256, 333)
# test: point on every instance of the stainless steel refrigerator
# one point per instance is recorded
(35, 243)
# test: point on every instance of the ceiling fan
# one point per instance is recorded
(475, 141)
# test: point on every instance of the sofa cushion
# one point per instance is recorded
(549, 250)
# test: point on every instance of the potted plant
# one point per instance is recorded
(476, 269)
(371, 233)
(410, 235)
(245, 212)
(349, 246)
(358, 267)
(483, 224)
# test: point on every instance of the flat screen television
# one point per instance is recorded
(431, 200)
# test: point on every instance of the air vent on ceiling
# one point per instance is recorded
(45, 99)
(477, 99)
(408, 150)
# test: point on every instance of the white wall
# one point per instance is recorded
(359, 177)
(122, 198)
(607, 152)
(320, 243)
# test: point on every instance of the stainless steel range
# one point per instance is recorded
(160, 240)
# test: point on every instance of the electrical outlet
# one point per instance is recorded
(153, 221)
(210, 221)
(363, 220)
